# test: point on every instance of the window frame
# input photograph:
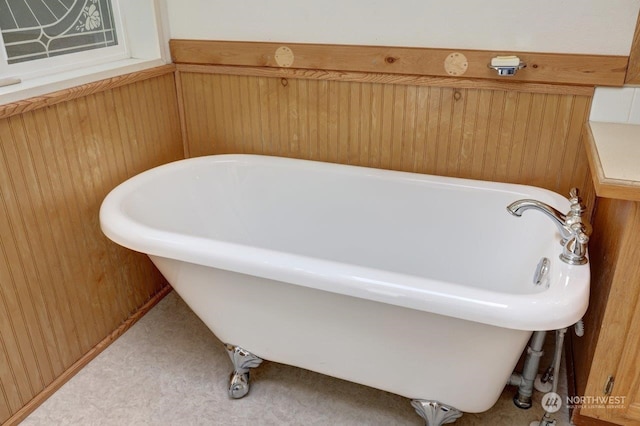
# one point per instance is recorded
(45, 66)
(143, 31)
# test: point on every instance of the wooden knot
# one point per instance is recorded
(390, 59)
(284, 82)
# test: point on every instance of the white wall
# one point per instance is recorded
(563, 26)
(616, 105)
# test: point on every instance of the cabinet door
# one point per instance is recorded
(617, 352)
(627, 382)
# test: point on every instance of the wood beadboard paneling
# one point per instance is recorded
(63, 286)
(590, 70)
(510, 136)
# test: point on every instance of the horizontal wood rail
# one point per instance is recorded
(407, 80)
(588, 70)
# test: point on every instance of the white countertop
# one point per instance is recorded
(618, 147)
(613, 151)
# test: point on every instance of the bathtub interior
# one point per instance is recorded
(442, 229)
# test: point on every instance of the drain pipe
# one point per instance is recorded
(525, 381)
(546, 418)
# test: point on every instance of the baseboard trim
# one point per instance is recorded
(580, 420)
(21, 414)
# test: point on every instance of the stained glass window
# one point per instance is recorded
(36, 29)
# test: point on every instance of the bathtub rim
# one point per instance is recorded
(559, 306)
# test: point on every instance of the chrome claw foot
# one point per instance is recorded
(243, 361)
(239, 385)
(435, 413)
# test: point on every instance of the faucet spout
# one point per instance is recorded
(574, 231)
(560, 219)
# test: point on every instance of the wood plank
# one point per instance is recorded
(633, 70)
(53, 98)
(579, 420)
(591, 70)
(382, 78)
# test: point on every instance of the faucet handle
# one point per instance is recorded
(575, 213)
(574, 197)
(576, 208)
(574, 250)
(573, 194)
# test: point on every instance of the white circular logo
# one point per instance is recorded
(551, 402)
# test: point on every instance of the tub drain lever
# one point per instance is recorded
(542, 271)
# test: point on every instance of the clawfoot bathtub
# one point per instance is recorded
(419, 285)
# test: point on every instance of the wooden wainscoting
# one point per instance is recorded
(530, 134)
(63, 286)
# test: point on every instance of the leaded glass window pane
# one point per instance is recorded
(36, 29)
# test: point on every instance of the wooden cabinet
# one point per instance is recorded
(607, 358)
(613, 321)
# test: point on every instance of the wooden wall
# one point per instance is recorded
(511, 133)
(64, 287)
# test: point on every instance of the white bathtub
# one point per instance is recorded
(414, 284)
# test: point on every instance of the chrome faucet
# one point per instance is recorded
(574, 231)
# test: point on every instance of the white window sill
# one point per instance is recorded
(65, 80)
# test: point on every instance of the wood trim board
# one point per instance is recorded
(633, 70)
(19, 107)
(590, 70)
(407, 80)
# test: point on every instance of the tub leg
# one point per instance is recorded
(243, 361)
(435, 413)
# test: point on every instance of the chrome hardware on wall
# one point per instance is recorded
(506, 65)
